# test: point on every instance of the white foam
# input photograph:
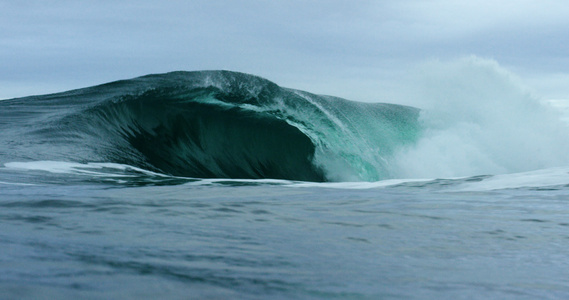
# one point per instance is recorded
(549, 177)
(532, 179)
(15, 183)
(209, 181)
(358, 184)
(480, 119)
(92, 169)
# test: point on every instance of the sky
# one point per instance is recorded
(359, 50)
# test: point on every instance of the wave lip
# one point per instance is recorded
(210, 124)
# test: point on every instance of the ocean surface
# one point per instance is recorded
(223, 185)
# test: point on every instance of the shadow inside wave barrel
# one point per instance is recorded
(209, 124)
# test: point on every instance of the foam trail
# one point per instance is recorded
(62, 167)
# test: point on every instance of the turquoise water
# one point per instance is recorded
(209, 124)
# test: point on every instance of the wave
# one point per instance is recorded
(210, 124)
(476, 119)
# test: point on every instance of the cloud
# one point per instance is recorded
(332, 47)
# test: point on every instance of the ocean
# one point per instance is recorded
(223, 185)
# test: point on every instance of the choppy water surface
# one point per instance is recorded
(279, 239)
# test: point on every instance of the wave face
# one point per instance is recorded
(210, 124)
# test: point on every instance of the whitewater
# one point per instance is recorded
(219, 184)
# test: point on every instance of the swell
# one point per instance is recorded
(209, 124)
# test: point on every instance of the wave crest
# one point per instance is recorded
(216, 124)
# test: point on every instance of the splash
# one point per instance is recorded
(479, 119)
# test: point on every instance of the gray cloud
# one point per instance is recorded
(350, 49)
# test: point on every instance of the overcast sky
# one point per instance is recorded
(354, 49)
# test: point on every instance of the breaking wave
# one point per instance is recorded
(210, 124)
(475, 119)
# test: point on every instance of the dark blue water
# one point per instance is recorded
(146, 237)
